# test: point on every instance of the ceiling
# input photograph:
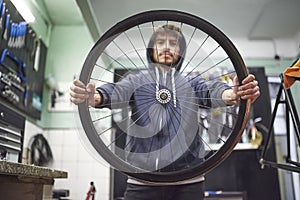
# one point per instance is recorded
(252, 19)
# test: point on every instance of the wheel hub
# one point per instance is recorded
(163, 96)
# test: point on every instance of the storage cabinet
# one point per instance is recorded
(11, 134)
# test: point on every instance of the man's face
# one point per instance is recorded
(166, 49)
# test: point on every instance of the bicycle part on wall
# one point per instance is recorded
(207, 133)
(284, 96)
(21, 63)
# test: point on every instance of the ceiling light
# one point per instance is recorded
(24, 10)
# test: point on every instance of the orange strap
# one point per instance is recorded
(291, 74)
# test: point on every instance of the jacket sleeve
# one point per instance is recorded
(216, 89)
(209, 93)
(117, 95)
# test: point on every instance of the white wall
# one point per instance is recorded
(285, 48)
(71, 156)
(66, 53)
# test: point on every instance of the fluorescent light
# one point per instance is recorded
(23, 10)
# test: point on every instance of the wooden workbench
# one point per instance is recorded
(27, 182)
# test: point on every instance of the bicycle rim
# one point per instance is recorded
(122, 51)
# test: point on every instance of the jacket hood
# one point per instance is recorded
(181, 43)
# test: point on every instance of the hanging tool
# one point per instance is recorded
(17, 35)
(20, 64)
(5, 34)
(22, 35)
(2, 12)
(17, 77)
(12, 35)
(37, 56)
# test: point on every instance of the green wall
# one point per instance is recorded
(67, 50)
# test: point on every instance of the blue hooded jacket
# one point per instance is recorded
(163, 128)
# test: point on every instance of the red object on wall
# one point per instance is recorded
(91, 192)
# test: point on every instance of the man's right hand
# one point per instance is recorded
(79, 92)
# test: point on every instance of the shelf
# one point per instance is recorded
(18, 169)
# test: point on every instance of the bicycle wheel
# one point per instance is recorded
(163, 124)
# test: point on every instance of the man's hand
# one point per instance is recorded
(80, 93)
(249, 89)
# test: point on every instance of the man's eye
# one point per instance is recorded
(160, 42)
(173, 43)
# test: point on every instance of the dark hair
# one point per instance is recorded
(169, 29)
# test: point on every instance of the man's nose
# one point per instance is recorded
(167, 45)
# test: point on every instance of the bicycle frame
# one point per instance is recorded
(291, 113)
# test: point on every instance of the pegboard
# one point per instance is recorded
(22, 62)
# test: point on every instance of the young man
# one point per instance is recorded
(164, 102)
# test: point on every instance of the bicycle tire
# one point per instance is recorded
(147, 20)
